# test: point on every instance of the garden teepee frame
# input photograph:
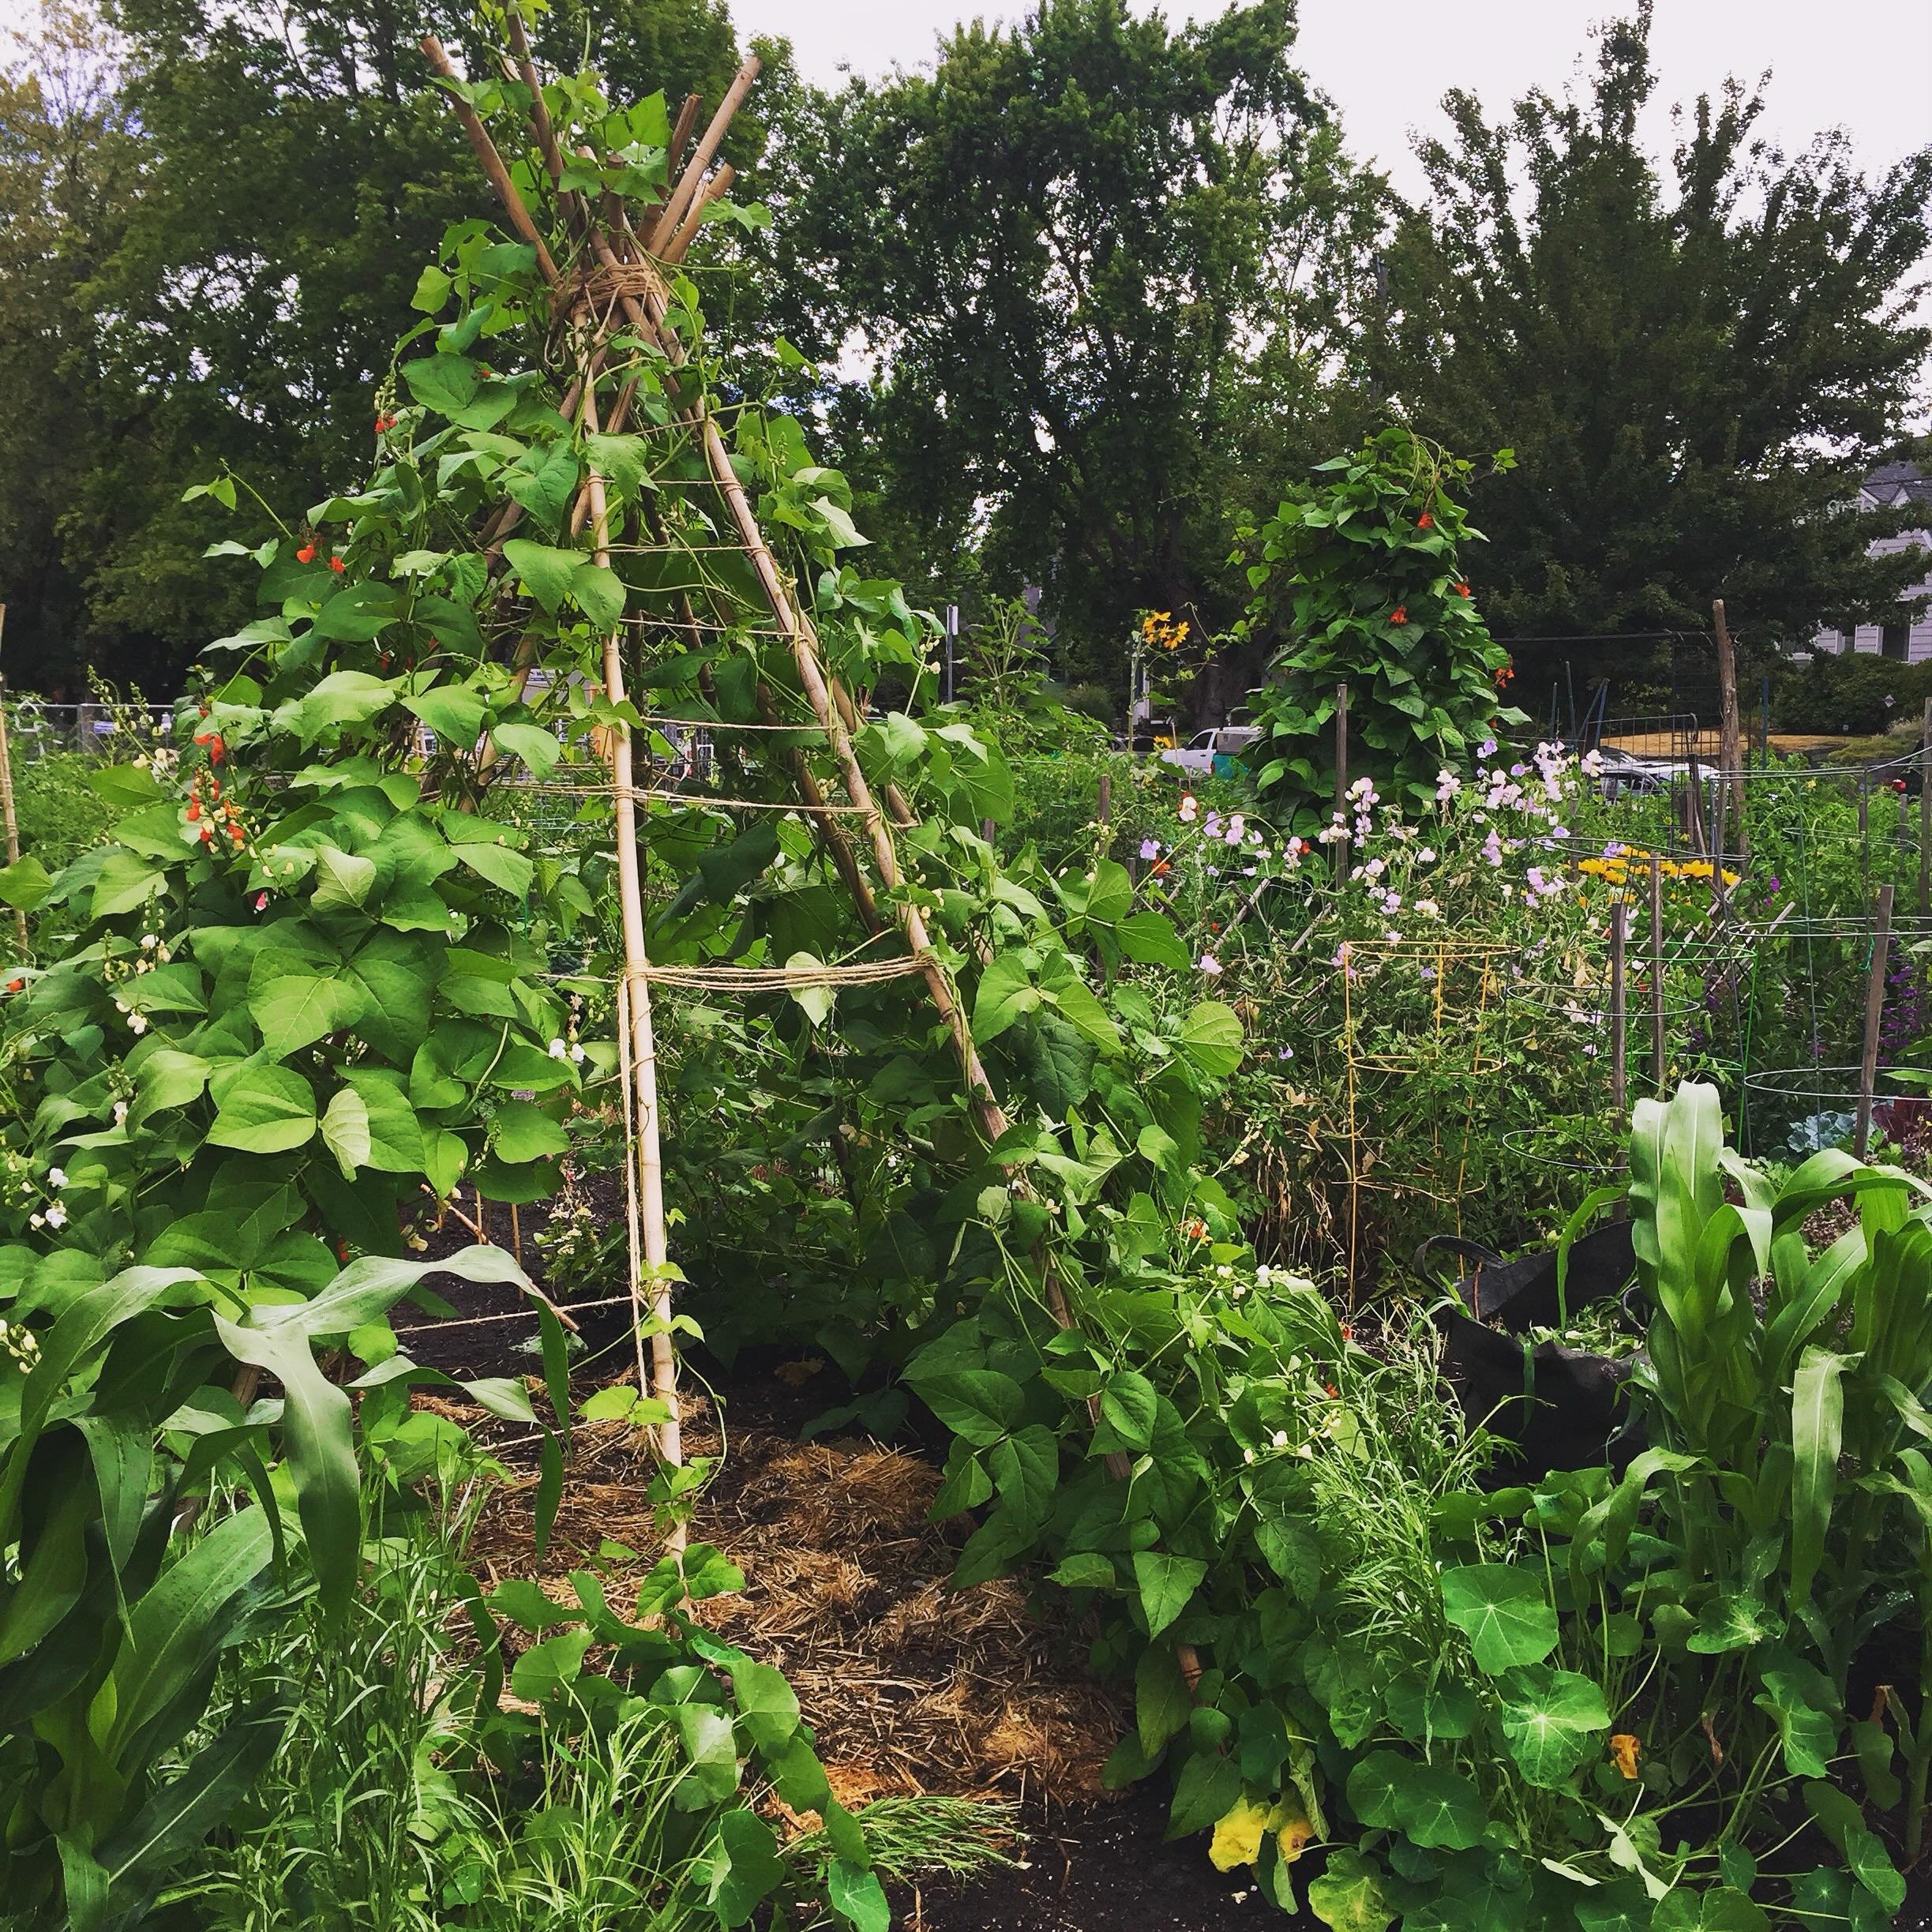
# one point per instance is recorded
(620, 276)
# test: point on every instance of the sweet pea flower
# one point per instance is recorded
(1188, 808)
(1150, 848)
(559, 1050)
(1211, 966)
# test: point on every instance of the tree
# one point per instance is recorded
(238, 302)
(69, 160)
(1104, 269)
(1695, 367)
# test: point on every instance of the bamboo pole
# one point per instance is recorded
(1341, 785)
(680, 133)
(1874, 1018)
(692, 178)
(643, 1044)
(491, 161)
(714, 189)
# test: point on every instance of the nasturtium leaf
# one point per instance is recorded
(711, 1751)
(1504, 1612)
(1552, 1719)
(1436, 1807)
(1349, 1895)
(767, 1706)
(1166, 1583)
(856, 1897)
(265, 1109)
(745, 1867)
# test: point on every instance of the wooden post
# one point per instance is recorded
(1103, 810)
(7, 799)
(1656, 972)
(1619, 923)
(1874, 1016)
(1925, 812)
(1694, 806)
(1342, 752)
(1730, 736)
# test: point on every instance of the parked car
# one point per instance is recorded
(1203, 753)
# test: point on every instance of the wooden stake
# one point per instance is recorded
(1656, 972)
(1342, 752)
(1730, 736)
(1103, 810)
(1874, 1017)
(1619, 921)
(1693, 807)
(7, 802)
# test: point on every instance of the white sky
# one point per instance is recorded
(1865, 65)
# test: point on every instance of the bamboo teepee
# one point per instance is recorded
(618, 276)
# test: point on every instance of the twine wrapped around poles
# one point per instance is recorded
(781, 979)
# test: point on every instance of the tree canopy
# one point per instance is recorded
(1696, 364)
(1068, 307)
(1104, 271)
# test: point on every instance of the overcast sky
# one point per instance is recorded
(1865, 65)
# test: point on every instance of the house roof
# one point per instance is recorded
(1893, 483)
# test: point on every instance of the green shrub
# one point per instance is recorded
(1857, 695)
(60, 814)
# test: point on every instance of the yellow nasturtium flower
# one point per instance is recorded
(1293, 1833)
(1623, 1749)
(1237, 1836)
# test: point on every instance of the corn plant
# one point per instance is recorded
(1784, 1388)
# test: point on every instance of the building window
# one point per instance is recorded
(1891, 640)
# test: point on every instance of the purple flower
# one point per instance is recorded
(1150, 848)
(1486, 749)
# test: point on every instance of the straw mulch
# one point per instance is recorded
(910, 1685)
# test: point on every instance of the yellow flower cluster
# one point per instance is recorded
(1159, 631)
(1617, 871)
